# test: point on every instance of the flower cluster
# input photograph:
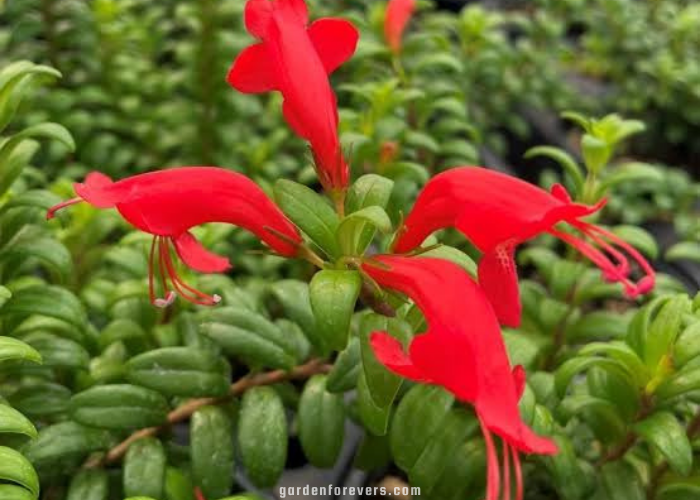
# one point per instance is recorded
(463, 349)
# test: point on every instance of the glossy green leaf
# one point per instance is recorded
(685, 250)
(375, 418)
(89, 484)
(13, 422)
(419, 415)
(321, 421)
(262, 436)
(564, 159)
(13, 349)
(178, 485)
(293, 295)
(211, 451)
(180, 371)
(119, 406)
(383, 385)
(144, 468)
(250, 336)
(333, 295)
(622, 482)
(310, 212)
(441, 447)
(10, 492)
(45, 300)
(662, 430)
(346, 369)
(370, 190)
(14, 468)
(453, 255)
(351, 229)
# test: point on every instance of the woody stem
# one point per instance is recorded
(187, 409)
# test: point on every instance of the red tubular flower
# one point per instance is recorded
(463, 352)
(296, 60)
(497, 212)
(168, 203)
(398, 15)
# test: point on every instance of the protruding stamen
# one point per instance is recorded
(51, 212)
(183, 289)
(506, 471)
(166, 302)
(493, 475)
(518, 474)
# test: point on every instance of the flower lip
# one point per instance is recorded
(168, 203)
(496, 212)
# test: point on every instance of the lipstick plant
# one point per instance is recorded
(202, 331)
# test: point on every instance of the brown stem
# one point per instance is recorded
(185, 411)
(370, 299)
(630, 439)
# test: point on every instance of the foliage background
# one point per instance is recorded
(141, 87)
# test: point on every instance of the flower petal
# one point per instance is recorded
(258, 15)
(390, 353)
(335, 41)
(252, 71)
(98, 190)
(498, 278)
(196, 257)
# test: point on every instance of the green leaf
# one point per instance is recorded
(14, 82)
(664, 330)
(310, 211)
(632, 173)
(10, 492)
(663, 431)
(346, 369)
(375, 418)
(293, 295)
(119, 407)
(248, 335)
(454, 430)
(41, 399)
(14, 468)
(333, 295)
(53, 131)
(45, 300)
(57, 352)
(453, 255)
(370, 190)
(383, 385)
(13, 349)
(63, 444)
(211, 451)
(89, 484)
(681, 382)
(144, 468)
(685, 250)
(321, 421)
(622, 482)
(639, 238)
(178, 485)
(5, 295)
(262, 436)
(564, 159)
(180, 371)
(351, 229)
(596, 153)
(419, 415)
(49, 252)
(566, 372)
(13, 422)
